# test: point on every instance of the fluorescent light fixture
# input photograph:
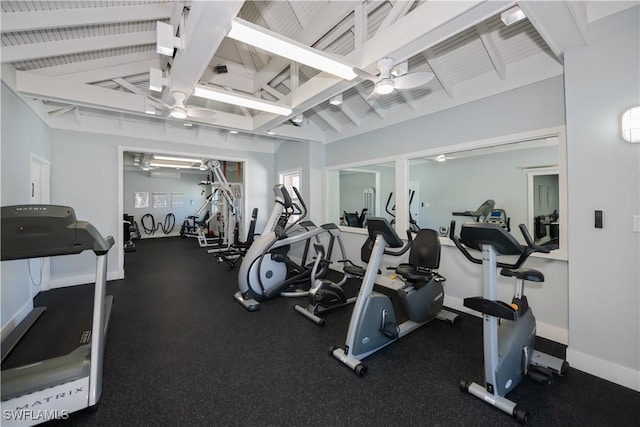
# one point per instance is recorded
(241, 100)
(165, 39)
(264, 39)
(631, 125)
(512, 15)
(233, 132)
(441, 158)
(270, 132)
(172, 165)
(336, 100)
(176, 159)
(384, 87)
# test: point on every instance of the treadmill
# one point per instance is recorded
(68, 377)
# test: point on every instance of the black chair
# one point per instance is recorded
(355, 220)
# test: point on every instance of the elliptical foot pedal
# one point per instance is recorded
(541, 375)
(390, 330)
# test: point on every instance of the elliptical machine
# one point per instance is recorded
(324, 294)
(267, 271)
(509, 330)
(373, 323)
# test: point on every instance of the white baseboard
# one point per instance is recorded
(544, 330)
(83, 279)
(17, 318)
(160, 234)
(622, 375)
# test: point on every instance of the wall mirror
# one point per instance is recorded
(359, 192)
(521, 179)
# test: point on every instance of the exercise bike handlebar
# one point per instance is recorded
(524, 251)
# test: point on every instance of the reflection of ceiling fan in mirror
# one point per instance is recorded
(391, 76)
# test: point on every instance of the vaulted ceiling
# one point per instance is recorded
(74, 60)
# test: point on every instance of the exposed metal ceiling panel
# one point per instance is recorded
(93, 54)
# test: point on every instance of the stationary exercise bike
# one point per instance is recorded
(509, 330)
(374, 324)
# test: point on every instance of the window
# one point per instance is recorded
(291, 179)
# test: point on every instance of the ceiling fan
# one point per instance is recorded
(179, 110)
(391, 76)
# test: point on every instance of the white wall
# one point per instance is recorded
(86, 175)
(23, 133)
(602, 81)
(538, 106)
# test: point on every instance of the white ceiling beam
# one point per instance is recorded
(86, 16)
(492, 49)
(438, 71)
(328, 119)
(109, 73)
(201, 40)
(294, 75)
(399, 9)
(61, 112)
(408, 99)
(359, 27)
(96, 64)
(299, 13)
(276, 94)
(350, 113)
(556, 23)
(128, 86)
(372, 103)
(427, 25)
(236, 76)
(321, 24)
(245, 56)
(69, 47)
(243, 110)
(54, 89)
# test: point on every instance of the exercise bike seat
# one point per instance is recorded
(414, 274)
(424, 259)
(523, 273)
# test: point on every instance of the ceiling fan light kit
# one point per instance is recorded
(384, 86)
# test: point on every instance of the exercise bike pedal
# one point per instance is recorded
(541, 375)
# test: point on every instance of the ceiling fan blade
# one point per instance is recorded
(200, 113)
(411, 80)
(365, 74)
